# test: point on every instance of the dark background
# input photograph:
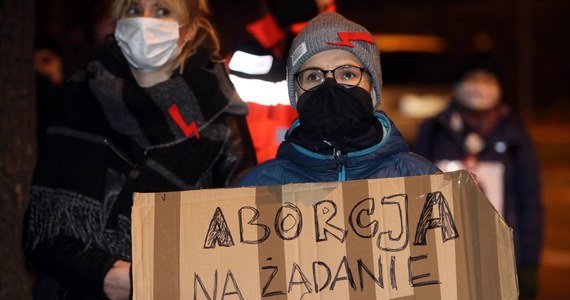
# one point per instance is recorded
(530, 37)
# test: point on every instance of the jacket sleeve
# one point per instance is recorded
(238, 155)
(72, 263)
(424, 141)
(52, 250)
(51, 224)
(528, 210)
(529, 207)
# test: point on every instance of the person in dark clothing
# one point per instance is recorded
(480, 133)
(153, 112)
(334, 82)
(49, 72)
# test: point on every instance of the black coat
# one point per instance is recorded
(112, 138)
(508, 143)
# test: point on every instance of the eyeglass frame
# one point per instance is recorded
(325, 72)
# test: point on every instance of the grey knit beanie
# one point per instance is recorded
(327, 31)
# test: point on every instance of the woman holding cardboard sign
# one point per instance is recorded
(334, 82)
(154, 112)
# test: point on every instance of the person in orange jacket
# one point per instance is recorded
(257, 69)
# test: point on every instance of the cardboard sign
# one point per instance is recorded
(424, 237)
(490, 178)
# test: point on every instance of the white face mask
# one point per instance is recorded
(477, 95)
(148, 43)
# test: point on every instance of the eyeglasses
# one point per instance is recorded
(347, 76)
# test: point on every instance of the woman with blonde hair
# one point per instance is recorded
(155, 111)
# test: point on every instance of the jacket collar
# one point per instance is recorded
(391, 143)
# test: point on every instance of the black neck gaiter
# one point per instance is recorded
(336, 114)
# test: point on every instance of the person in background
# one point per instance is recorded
(480, 133)
(153, 112)
(49, 72)
(334, 82)
(257, 69)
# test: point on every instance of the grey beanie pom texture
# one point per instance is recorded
(328, 31)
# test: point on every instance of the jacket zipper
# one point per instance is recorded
(338, 163)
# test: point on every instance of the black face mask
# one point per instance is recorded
(335, 113)
(287, 12)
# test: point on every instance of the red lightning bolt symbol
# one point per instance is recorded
(347, 37)
(187, 129)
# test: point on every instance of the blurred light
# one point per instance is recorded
(409, 43)
(260, 91)
(422, 106)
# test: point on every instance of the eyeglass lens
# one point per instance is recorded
(348, 76)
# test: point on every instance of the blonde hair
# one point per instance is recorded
(193, 13)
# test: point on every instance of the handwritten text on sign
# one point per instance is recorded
(362, 222)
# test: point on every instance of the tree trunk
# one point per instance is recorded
(17, 140)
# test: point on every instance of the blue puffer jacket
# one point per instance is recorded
(295, 164)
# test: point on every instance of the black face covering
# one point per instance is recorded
(287, 12)
(335, 113)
